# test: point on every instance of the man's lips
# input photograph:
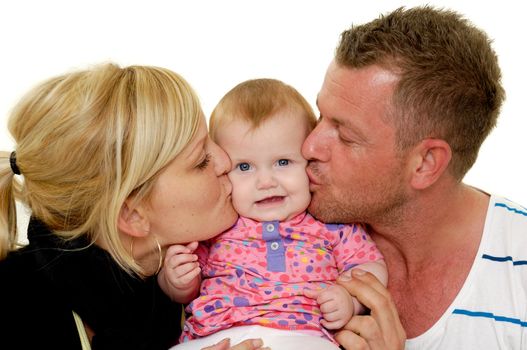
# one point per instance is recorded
(312, 177)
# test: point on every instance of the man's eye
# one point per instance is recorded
(244, 166)
(345, 140)
(283, 162)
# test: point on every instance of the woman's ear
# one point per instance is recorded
(431, 159)
(133, 220)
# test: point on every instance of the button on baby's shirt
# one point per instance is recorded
(275, 246)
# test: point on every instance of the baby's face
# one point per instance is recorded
(269, 173)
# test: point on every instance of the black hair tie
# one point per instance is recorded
(12, 161)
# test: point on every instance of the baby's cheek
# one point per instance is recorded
(240, 201)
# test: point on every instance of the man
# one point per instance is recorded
(404, 108)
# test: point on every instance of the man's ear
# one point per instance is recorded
(133, 220)
(430, 160)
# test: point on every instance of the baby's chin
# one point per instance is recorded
(278, 208)
(273, 216)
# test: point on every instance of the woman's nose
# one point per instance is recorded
(222, 162)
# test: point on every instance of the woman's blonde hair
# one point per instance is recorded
(87, 141)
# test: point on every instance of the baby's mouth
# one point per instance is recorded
(271, 200)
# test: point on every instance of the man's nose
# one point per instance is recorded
(316, 145)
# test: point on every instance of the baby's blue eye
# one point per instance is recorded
(283, 162)
(244, 166)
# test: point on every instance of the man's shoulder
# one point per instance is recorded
(507, 207)
(505, 235)
(507, 216)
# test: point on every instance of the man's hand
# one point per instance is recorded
(381, 329)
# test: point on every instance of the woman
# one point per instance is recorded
(116, 166)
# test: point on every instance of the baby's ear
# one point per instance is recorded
(430, 160)
(133, 221)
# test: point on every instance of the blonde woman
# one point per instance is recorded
(115, 165)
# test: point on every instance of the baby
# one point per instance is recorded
(276, 267)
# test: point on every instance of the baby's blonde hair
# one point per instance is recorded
(257, 100)
(88, 140)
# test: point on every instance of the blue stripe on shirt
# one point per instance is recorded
(490, 315)
(504, 259)
(507, 258)
(514, 210)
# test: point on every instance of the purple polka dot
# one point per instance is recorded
(308, 317)
(283, 323)
(239, 272)
(332, 227)
(300, 322)
(349, 266)
(209, 308)
(240, 301)
(309, 268)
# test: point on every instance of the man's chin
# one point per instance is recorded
(317, 210)
(327, 209)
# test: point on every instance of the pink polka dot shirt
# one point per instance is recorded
(255, 273)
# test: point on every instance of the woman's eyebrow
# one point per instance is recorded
(197, 148)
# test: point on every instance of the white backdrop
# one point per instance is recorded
(216, 44)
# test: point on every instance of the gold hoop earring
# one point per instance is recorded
(160, 265)
(160, 253)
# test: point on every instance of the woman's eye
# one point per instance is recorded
(204, 163)
(283, 162)
(244, 166)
